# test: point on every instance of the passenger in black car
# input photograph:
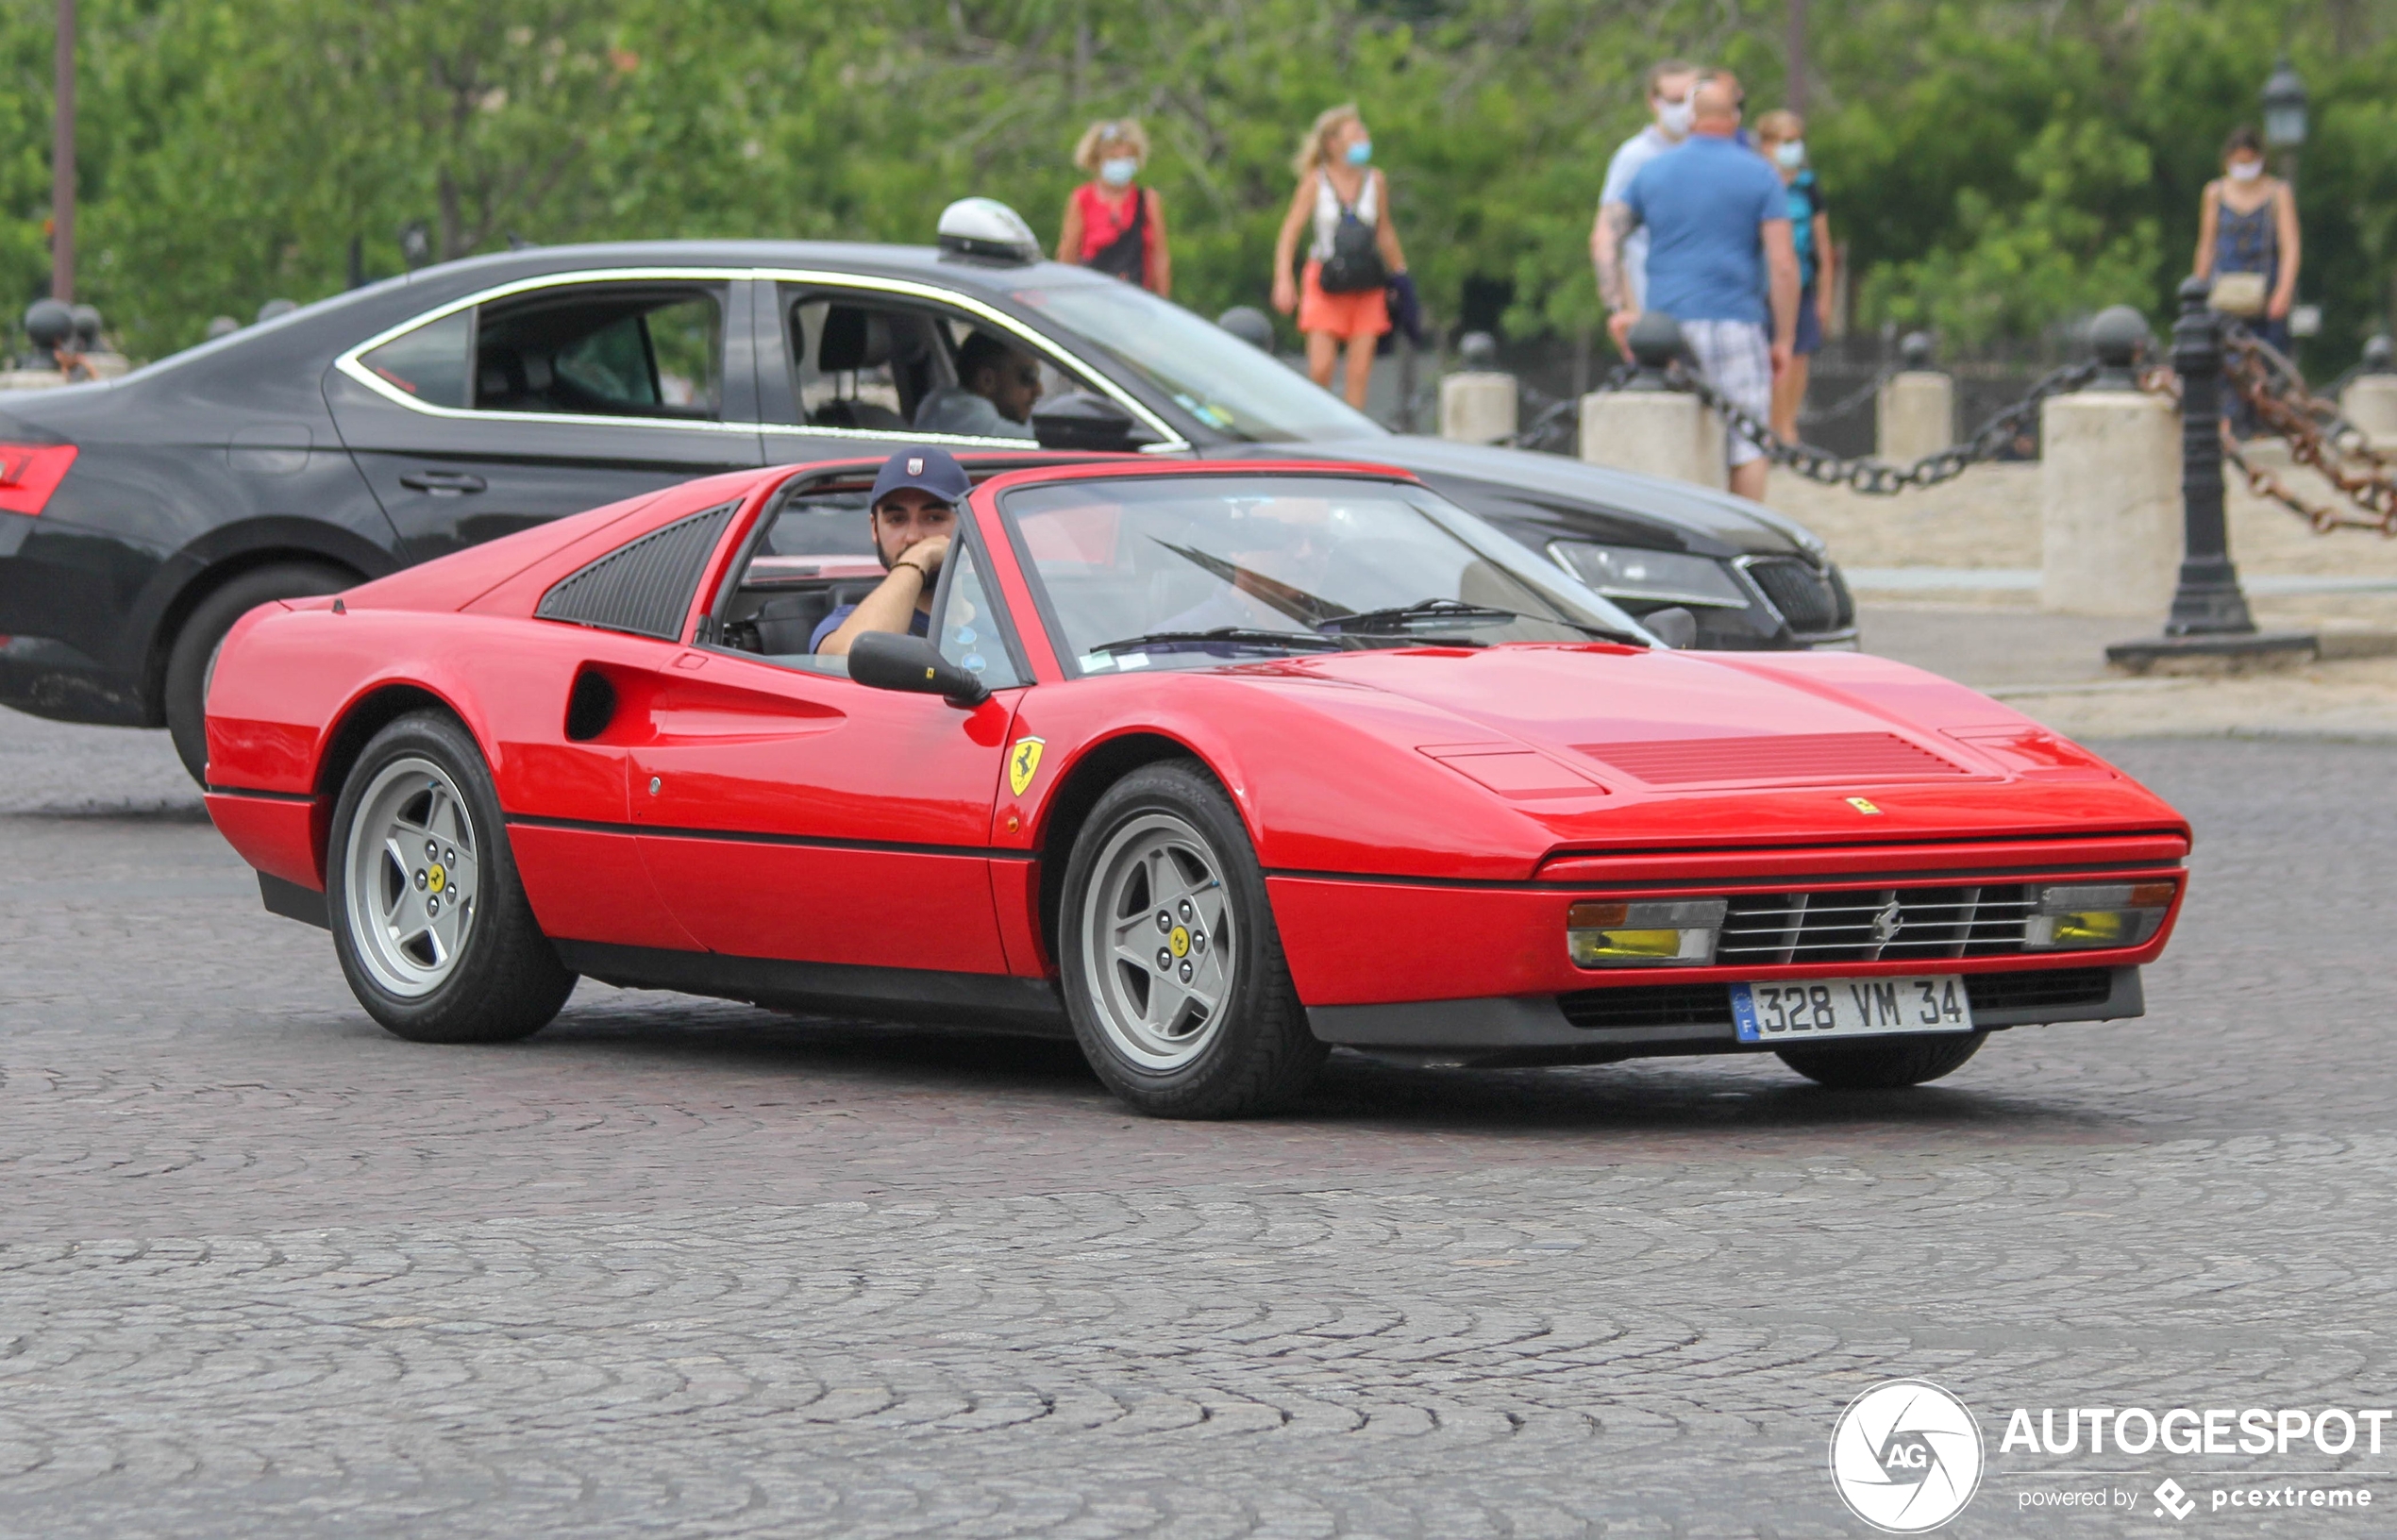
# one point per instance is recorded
(998, 386)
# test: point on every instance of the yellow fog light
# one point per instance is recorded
(2094, 916)
(1677, 933)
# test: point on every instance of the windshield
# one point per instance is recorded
(1209, 373)
(1192, 571)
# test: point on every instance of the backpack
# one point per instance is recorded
(1355, 263)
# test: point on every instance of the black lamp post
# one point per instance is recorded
(2210, 626)
(2284, 115)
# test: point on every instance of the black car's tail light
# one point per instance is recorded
(29, 472)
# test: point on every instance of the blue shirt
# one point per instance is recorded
(1703, 202)
(918, 623)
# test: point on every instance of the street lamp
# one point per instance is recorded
(2285, 108)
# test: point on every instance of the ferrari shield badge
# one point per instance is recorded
(1863, 805)
(1023, 763)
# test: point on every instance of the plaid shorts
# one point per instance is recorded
(1737, 359)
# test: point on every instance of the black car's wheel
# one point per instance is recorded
(432, 925)
(192, 660)
(1880, 1065)
(1173, 973)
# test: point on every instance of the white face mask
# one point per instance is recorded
(1118, 169)
(1791, 155)
(1676, 117)
(2246, 171)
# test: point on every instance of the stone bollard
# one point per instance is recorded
(1915, 413)
(1478, 402)
(2369, 400)
(1650, 427)
(2109, 486)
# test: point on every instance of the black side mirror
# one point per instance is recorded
(888, 661)
(1675, 626)
(1079, 420)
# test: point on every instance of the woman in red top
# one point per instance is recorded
(1110, 223)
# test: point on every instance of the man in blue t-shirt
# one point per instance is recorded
(913, 513)
(1718, 242)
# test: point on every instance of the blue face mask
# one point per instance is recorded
(1118, 169)
(1361, 152)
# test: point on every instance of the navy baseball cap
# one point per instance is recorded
(926, 470)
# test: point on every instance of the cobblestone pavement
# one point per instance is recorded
(682, 1268)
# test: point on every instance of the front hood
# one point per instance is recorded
(1684, 749)
(1569, 496)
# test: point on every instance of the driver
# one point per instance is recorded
(914, 514)
(994, 396)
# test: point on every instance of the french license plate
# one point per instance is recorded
(1807, 1009)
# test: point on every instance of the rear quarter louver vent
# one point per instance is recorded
(644, 588)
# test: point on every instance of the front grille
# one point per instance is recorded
(1649, 1005)
(1685, 1005)
(1865, 924)
(2049, 986)
(1807, 597)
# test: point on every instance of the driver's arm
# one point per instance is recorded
(893, 600)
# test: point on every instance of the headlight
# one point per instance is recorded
(1663, 935)
(1621, 572)
(2094, 916)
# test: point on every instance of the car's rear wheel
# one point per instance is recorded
(432, 925)
(192, 659)
(1887, 1063)
(1173, 973)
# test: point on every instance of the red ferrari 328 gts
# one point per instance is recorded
(1215, 766)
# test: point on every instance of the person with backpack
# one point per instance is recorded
(1111, 222)
(1780, 138)
(1342, 298)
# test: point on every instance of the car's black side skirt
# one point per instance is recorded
(996, 1001)
(293, 902)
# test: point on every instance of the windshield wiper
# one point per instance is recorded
(1399, 617)
(1253, 637)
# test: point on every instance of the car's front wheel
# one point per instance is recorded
(1884, 1064)
(1173, 973)
(432, 925)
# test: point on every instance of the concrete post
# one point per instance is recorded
(2109, 503)
(2370, 402)
(1477, 406)
(1662, 432)
(1915, 415)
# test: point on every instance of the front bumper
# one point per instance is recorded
(1600, 1025)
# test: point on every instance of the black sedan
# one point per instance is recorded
(141, 517)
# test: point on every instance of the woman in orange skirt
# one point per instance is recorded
(1342, 298)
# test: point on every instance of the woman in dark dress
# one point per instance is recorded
(1112, 222)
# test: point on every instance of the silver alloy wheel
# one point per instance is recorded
(412, 877)
(1159, 952)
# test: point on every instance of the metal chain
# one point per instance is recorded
(1879, 477)
(1854, 399)
(2317, 435)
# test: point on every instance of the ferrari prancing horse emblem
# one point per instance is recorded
(1023, 763)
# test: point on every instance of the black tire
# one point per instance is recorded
(192, 657)
(502, 980)
(1887, 1064)
(1252, 1053)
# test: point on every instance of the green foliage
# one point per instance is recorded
(1994, 167)
(2018, 270)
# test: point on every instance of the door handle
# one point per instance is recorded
(444, 483)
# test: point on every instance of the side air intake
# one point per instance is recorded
(644, 588)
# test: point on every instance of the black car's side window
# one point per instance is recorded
(429, 363)
(861, 360)
(604, 350)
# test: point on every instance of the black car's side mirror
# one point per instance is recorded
(888, 661)
(1675, 626)
(1079, 420)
